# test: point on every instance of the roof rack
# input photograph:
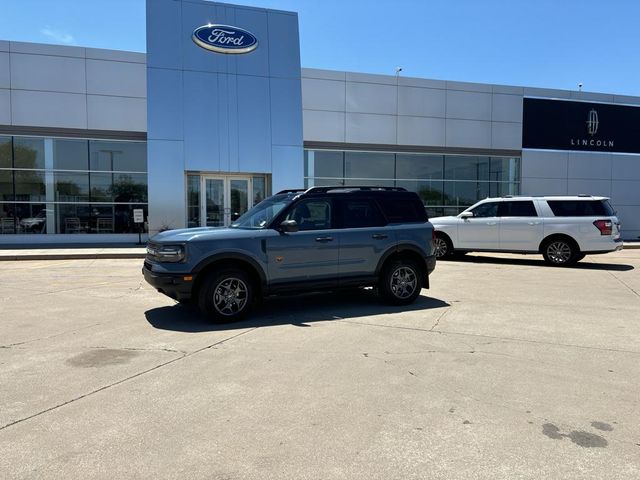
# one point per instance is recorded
(350, 188)
(291, 190)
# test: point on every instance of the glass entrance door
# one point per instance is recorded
(224, 199)
(214, 202)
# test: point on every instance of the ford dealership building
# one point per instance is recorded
(219, 114)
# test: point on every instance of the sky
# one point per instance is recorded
(540, 43)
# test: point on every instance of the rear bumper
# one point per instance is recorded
(430, 266)
(172, 285)
(612, 247)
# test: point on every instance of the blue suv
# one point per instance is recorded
(323, 238)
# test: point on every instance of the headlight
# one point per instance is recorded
(166, 253)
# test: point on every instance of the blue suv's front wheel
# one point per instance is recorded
(226, 296)
(400, 283)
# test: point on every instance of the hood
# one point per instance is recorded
(202, 233)
(444, 220)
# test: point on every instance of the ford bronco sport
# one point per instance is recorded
(323, 238)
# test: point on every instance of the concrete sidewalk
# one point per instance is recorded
(55, 253)
(71, 253)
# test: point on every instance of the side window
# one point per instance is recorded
(311, 214)
(361, 213)
(489, 209)
(402, 209)
(522, 208)
(579, 208)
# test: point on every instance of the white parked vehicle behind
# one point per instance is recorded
(562, 228)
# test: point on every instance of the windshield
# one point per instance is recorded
(261, 215)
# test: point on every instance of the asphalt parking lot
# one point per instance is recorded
(504, 369)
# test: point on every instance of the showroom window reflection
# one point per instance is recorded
(55, 185)
(447, 184)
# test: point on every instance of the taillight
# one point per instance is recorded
(605, 226)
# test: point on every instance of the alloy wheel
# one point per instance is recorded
(230, 296)
(559, 252)
(403, 282)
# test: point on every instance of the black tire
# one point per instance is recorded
(442, 246)
(560, 252)
(400, 282)
(226, 296)
(579, 257)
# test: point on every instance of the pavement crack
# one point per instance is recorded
(140, 349)
(624, 283)
(126, 379)
(10, 345)
(437, 322)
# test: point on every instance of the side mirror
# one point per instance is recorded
(465, 215)
(289, 226)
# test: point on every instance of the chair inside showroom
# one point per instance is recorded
(7, 225)
(72, 225)
(104, 225)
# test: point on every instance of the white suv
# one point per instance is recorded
(564, 229)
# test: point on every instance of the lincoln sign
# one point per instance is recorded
(569, 125)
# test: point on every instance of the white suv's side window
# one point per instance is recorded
(489, 209)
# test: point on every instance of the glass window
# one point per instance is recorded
(31, 218)
(311, 214)
(398, 209)
(118, 156)
(430, 192)
(464, 193)
(193, 201)
(325, 164)
(5, 153)
(28, 152)
(29, 186)
(458, 167)
(71, 187)
(580, 208)
(7, 218)
(369, 165)
(72, 218)
(488, 209)
(361, 213)
(259, 190)
(123, 219)
(129, 187)
(70, 155)
(423, 167)
(6, 185)
(505, 169)
(517, 208)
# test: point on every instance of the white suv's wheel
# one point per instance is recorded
(441, 246)
(560, 252)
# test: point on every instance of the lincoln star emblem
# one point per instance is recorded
(592, 122)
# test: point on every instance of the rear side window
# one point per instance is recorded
(402, 209)
(581, 208)
(361, 213)
(522, 208)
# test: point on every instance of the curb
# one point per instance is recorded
(70, 256)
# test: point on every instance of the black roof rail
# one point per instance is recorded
(291, 190)
(350, 188)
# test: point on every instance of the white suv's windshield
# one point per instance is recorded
(261, 215)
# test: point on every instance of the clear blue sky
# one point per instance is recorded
(545, 43)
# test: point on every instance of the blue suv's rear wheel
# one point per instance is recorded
(401, 282)
(226, 296)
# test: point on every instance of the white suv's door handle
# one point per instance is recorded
(534, 223)
(492, 223)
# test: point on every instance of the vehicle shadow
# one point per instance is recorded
(539, 262)
(299, 310)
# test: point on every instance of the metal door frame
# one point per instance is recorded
(226, 187)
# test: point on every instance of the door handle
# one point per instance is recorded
(492, 223)
(534, 223)
(379, 236)
(324, 239)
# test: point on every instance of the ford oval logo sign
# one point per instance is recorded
(224, 39)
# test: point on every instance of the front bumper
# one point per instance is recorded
(176, 286)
